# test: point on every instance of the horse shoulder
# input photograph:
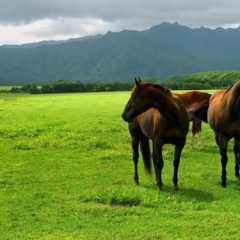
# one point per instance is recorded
(215, 109)
(180, 107)
(217, 95)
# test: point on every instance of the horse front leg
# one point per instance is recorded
(176, 163)
(135, 144)
(158, 164)
(236, 150)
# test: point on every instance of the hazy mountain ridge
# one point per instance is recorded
(159, 52)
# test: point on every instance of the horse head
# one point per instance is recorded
(137, 103)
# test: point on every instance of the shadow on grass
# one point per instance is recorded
(185, 193)
(233, 184)
(196, 194)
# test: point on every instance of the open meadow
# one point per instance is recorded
(66, 172)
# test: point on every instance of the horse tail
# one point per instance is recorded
(200, 113)
(146, 155)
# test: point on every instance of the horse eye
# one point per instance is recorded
(133, 97)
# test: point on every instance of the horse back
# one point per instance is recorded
(193, 97)
(196, 103)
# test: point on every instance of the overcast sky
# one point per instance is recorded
(23, 21)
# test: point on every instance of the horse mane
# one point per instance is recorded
(235, 98)
(228, 89)
(156, 86)
(160, 87)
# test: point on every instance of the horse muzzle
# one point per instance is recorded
(127, 118)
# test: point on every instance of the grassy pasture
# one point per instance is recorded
(66, 173)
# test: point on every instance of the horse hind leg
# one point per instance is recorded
(193, 135)
(196, 129)
(236, 150)
(146, 154)
(200, 143)
(176, 163)
(158, 165)
(192, 142)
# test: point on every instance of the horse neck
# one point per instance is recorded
(234, 94)
(166, 105)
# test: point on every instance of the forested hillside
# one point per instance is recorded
(203, 80)
(160, 52)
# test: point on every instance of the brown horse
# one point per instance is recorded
(167, 123)
(194, 100)
(224, 119)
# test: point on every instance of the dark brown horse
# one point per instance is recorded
(167, 123)
(195, 100)
(224, 119)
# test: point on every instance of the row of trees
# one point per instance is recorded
(64, 86)
(199, 81)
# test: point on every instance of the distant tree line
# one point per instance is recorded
(64, 86)
(198, 81)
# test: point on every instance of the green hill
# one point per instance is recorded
(159, 53)
(203, 80)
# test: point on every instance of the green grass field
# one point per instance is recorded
(66, 173)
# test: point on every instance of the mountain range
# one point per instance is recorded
(160, 52)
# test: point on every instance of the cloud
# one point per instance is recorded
(25, 11)
(33, 20)
(193, 12)
(57, 29)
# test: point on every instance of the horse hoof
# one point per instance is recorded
(223, 185)
(176, 188)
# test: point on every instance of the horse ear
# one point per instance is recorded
(138, 82)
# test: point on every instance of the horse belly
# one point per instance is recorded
(174, 136)
(231, 129)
